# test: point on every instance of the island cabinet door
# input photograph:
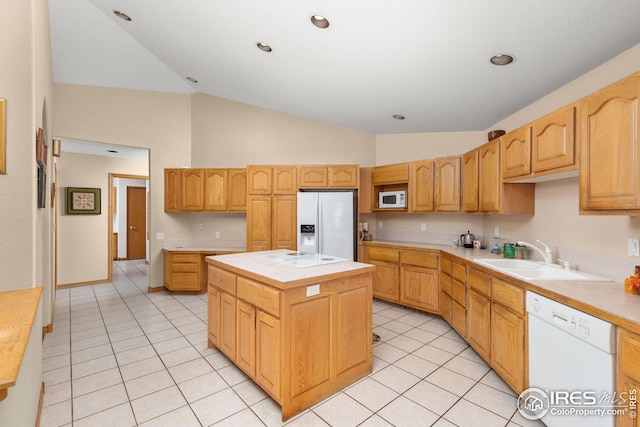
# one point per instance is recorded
(268, 353)
(213, 317)
(246, 338)
(228, 325)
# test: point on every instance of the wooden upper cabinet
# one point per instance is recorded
(421, 180)
(365, 202)
(447, 184)
(285, 180)
(284, 222)
(610, 154)
(515, 153)
(192, 189)
(215, 189)
(489, 176)
(470, 201)
(390, 174)
(553, 141)
(345, 176)
(259, 223)
(237, 190)
(172, 190)
(314, 176)
(259, 179)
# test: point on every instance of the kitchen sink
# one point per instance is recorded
(532, 270)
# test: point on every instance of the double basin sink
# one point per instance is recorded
(532, 270)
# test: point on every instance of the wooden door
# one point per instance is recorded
(285, 180)
(345, 176)
(479, 324)
(470, 201)
(507, 346)
(553, 141)
(259, 179)
(489, 177)
(259, 223)
(268, 357)
(237, 190)
(386, 279)
(421, 179)
(447, 184)
(215, 189)
(246, 336)
(284, 211)
(172, 190)
(192, 189)
(228, 325)
(314, 176)
(516, 153)
(610, 169)
(419, 287)
(136, 222)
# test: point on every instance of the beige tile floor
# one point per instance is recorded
(119, 356)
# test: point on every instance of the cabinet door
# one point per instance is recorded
(419, 287)
(213, 317)
(386, 280)
(172, 190)
(237, 190)
(215, 189)
(447, 184)
(421, 180)
(246, 338)
(259, 179)
(445, 307)
(228, 325)
(365, 203)
(345, 176)
(390, 174)
(479, 323)
(192, 190)
(268, 357)
(610, 170)
(284, 219)
(553, 141)
(470, 202)
(628, 372)
(259, 223)
(516, 153)
(489, 177)
(285, 180)
(314, 176)
(507, 346)
(459, 318)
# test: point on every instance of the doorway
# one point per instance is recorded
(136, 222)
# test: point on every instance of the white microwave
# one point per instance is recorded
(392, 199)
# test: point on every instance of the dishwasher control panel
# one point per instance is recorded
(591, 329)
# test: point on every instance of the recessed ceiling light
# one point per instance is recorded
(319, 21)
(398, 116)
(112, 151)
(192, 80)
(501, 59)
(264, 47)
(122, 15)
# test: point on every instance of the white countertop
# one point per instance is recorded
(259, 265)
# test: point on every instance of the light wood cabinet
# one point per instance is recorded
(610, 154)
(172, 190)
(237, 190)
(228, 324)
(314, 177)
(419, 280)
(259, 223)
(421, 186)
(446, 266)
(390, 178)
(213, 316)
(192, 189)
(215, 189)
(246, 337)
(205, 190)
(285, 180)
(470, 193)
(186, 271)
(386, 277)
(335, 176)
(284, 222)
(459, 298)
(554, 146)
(447, 184)
(493, 195)
(515, 153)
(259, 179)
(268, 357)
(479, 313)
(628, 373)
(365, 202)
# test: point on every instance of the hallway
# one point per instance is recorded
(119, 356)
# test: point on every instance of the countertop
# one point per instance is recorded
(204, 250)
(258, 266)
(606, 300)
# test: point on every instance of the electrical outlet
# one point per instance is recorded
(200, 226)
(496, 231)
(634, 247)
(217, 234)
(423, 226)
(159, 236)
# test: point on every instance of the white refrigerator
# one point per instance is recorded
(327, 223)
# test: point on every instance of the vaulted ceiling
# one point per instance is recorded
(424, 59)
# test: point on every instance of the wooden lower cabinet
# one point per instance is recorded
(419, 287)
(508, 346)
(228, 325)
(246, 337)
(268, 353)
(385, 280)
(628, 373)
(213, 317)
(479, 323)
(445, 307)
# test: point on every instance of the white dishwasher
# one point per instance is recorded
(572, 359)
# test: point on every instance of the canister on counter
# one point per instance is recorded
(520, 251)
(509, 250)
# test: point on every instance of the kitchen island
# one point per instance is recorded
(301, 334)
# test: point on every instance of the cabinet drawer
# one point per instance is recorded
(479, 281)
(261, 296)
(459, 272)
(629, 353)
(508, 295)
(445, 284)
(383, 254)
(445, 266)
(184, 282)
(422, 259)
(459, 293)
(184, 258)
(222, 279)
(182, 267)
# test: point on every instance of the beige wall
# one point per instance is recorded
(398, 148)
(160, 122)
(83, 240)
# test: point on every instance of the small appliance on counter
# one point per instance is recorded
(466, 240)
(392, 199)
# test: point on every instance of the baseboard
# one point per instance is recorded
(151, 289)
(78, 284)
(40, 405)
(47, 329)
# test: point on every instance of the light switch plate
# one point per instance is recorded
(634, 247)
(313, 290)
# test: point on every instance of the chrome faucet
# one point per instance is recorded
(547, 255)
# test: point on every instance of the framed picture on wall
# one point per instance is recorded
(83, 201)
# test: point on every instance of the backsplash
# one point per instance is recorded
(205, 244)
